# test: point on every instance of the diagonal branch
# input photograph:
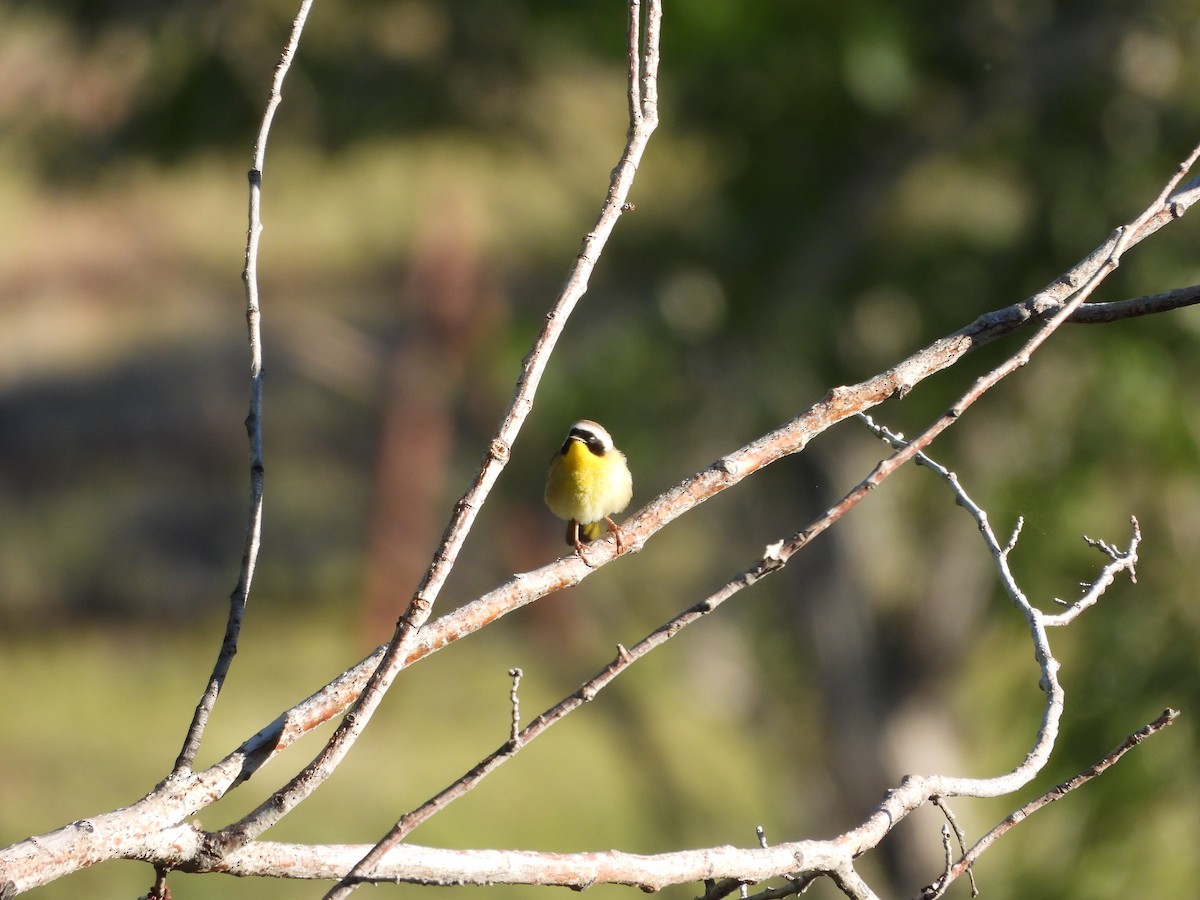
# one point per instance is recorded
(394, 658)
(772, 561)
(790, 438)
(540, 724)
(642, 91)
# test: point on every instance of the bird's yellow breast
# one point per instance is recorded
(585, 486)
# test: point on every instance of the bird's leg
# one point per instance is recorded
(574, 528)
(616, 530)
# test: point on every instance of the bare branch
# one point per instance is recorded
(241, 593)
(948, 852)
(204, 787)
(1119, 561)
(1055, 793)
(940, 803)
(1037, 622)
(160, 889)
(514, 699)
(152, 829)
(192, 851)
(790, 438)
(851, 883)
(643, 119)
(1114, 311)
(416, 864)
(794, 888)
(936, 786)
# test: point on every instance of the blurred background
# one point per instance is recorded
(832, 187)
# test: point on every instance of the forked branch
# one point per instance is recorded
(938, 888)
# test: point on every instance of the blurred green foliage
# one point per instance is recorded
(832, 187)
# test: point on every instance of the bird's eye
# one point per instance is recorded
(596, 445)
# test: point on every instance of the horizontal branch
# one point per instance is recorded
(1152, 304)
(434, 866)
(183, 845)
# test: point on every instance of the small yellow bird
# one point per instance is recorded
(589, 481)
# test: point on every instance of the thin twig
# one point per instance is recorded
(1152, 304)
(241, 593)
(851, 883)
(794, 888)
(1119, 561)
(948, 853)
(941, 804)
(160, 890)
(1055, 793)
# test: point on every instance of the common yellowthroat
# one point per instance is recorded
(589, 481)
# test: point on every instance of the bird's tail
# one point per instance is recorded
(592, 531)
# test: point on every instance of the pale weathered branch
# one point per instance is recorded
(1057, 792)
(1037, 622)
(920, 790)
(412, 863)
